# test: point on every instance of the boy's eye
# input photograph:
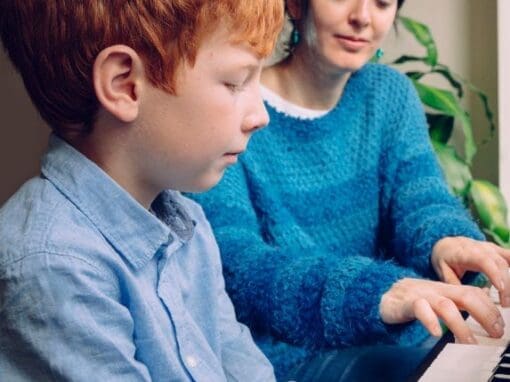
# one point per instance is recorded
(238, 83)
(234, 87)
(237, 86)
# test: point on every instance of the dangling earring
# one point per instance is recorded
(294, 38)
(378, 55)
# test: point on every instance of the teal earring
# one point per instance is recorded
(294, 37)
(378, 55)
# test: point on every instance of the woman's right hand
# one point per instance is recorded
(429, 301)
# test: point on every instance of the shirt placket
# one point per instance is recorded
(191, 354)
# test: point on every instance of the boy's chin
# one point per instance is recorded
(205, 184)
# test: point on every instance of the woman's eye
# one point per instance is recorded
(383, 4)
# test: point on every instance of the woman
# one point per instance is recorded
(338, 212)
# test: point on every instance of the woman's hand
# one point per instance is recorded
(428, 301)
(452, 257)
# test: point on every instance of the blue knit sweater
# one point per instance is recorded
(320, 217)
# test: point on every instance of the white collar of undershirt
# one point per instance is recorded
(288, 108)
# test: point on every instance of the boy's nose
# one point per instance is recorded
(258, 118)
(360, 13)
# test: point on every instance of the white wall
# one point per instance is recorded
(504, 96)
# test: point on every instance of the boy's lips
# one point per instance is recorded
(236, 152)
(232, 156)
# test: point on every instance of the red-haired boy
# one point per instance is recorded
(105, 274)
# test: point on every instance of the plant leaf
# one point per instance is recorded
(405, 58)
(415, 75)
(456, 171)
(445, 102)
(496, 238)
(449, 76)
(485, 102)
(440, 127)
(422, 34)
(481, 95)
(490, 207)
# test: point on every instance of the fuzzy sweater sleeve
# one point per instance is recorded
(298, 292)
(418, 208)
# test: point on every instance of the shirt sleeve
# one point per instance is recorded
(60, 319)
(418, 207)
(298, 293)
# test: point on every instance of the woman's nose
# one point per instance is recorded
(360, 13)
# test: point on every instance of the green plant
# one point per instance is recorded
(444, 109)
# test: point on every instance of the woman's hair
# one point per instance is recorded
(54, 43)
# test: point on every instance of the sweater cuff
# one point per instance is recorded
(351, 312)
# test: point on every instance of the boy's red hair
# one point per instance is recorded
(54, 43)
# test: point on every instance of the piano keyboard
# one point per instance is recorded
(469, 363)
(487, 361)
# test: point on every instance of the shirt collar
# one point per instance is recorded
(126, 224)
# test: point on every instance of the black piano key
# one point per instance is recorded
(501, 370)
(500, 378)
(507, 350)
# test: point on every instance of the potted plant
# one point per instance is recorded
(444, 113)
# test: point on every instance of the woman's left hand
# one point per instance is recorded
(452, 257)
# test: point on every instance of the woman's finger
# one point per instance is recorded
(449, 275)
(503, 252)
(488, 259)
(425, 314)
(480, 306)
(449, 313)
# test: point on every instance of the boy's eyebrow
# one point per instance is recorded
(248, 66)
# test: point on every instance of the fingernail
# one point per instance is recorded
(471, 340)
(498, 327)
(501, 286)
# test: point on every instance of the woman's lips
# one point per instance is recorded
(352, 43)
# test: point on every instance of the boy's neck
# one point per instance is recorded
(114, 156)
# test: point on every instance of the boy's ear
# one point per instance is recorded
(118, 77)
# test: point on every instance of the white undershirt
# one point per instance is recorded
(288, 108)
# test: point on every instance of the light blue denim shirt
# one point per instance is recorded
(95, 287)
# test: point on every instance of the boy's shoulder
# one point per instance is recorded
(38, 220)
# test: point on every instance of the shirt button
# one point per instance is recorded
(191, 361)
